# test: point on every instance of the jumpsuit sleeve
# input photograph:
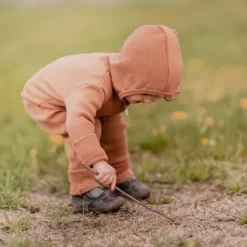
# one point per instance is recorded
(81, 107)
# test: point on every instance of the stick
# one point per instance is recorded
(130, 197)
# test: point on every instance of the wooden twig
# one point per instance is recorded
(130, 197)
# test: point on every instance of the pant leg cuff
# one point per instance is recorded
(80, 184)
(124, 176)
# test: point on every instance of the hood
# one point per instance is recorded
(149, 63)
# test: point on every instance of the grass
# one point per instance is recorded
(93, 222)
(157, 199)
(236, 182)
(242, 217)
(175, 243)
(18, 241)
(56, 212)
(15, 226)
(57, 216)
(200, 137)
(187, 243)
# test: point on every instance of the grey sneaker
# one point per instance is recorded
(96, 200)
(135, 188)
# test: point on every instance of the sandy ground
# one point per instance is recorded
(202, 212)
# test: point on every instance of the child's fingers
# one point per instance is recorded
(100, 176)
(107, 179)
(113, 184)
(108, 183)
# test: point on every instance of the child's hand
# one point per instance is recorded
(106, 174)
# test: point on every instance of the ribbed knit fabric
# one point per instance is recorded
(73, 94)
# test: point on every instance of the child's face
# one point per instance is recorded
(141, 98)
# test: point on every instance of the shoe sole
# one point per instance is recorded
(112, 208)
(143, 198)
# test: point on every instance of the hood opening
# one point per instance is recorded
(149, 63)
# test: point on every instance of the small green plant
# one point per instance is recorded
(157, 242)
(242, 216)
(188, 243)
(157, 199)
(93, 222)
(30, 206)
(10, 199)
(56, 212)
(17, 241)
(236, 182)
(197, 171)
(18, 225)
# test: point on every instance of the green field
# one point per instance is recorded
(200, 137)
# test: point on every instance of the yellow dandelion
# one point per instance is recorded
(204, 141)
(155, 132)
(209, 121)
(33, 152)
(179, 115)
(163, 128)
(56, 139)
(243, 103)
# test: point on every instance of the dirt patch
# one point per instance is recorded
(202, 212)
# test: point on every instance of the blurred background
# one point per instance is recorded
(205, 129)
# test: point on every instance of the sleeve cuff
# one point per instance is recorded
(89, 150)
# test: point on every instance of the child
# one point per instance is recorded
(81, 97)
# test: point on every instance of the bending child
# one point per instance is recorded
(82, 97)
